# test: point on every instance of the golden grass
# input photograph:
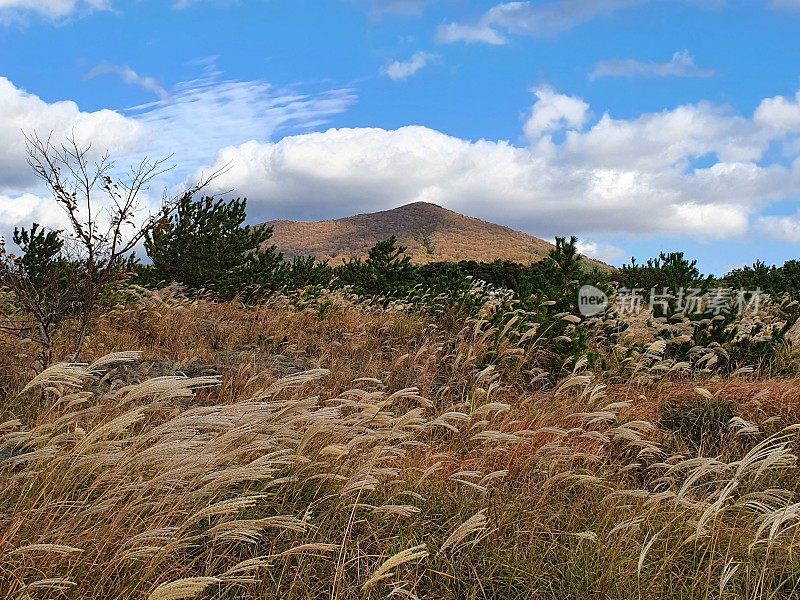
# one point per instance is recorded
(397, 464)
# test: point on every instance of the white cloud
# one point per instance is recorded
(785, 229)
(23, 112)
(196, 120)
(540, 19)
(667, 138)
(780, 114)
(24, 209)
(14, 10)
(482, 33)
(554, 112)
(22, 199)
(635, 176)
(608, 253)
(681, 65)
(342, 172)
(577, 174)
(129, 76)
(401, 70)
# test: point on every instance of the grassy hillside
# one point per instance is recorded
(430, 232)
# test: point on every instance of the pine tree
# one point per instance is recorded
(205, 245)
(46, 287)
(387, 271)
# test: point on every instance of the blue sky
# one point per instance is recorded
(638, 125)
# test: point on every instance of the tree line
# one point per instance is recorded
(206, 245)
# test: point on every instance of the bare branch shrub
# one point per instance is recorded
(63, 276)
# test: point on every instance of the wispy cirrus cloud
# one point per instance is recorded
(129, 76)
(400, 70)
(682, 64)
(202, 115)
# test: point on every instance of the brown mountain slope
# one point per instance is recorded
(430, 232)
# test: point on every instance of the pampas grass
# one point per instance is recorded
(404, 459)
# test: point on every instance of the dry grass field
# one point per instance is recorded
(213, 450)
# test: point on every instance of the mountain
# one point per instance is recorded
(430, 232)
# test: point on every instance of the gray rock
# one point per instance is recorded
(129, 373)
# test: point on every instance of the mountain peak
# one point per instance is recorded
(429, 232)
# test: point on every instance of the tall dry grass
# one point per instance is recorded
(397, 463)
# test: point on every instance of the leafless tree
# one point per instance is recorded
(106, 217)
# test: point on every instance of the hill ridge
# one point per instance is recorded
(429, 231)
